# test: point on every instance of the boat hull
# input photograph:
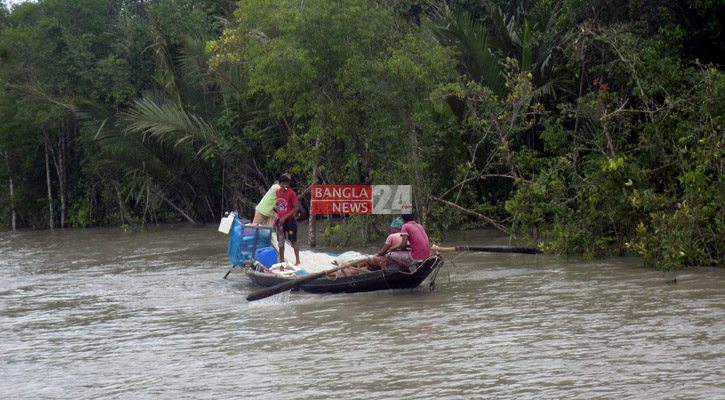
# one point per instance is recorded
(367, 282)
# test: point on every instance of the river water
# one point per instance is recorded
(101, 313)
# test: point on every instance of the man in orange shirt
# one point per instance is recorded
(394, 238)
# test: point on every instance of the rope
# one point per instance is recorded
(431, 284)
(385, 278)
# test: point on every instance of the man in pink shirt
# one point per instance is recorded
(413, 235)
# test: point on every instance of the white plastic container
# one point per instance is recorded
(226, 224)
(284, 270)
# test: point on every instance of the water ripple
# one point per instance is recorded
(101, 313)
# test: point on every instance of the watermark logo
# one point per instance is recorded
(361, 199)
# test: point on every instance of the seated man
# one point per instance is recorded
(413, 235)
(393, 240)
(377, 261)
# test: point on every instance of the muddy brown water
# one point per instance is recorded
(101, 313)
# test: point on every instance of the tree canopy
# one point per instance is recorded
(588, 127)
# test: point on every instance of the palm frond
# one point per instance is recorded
(504, 35)
(170, 123)
(457, 28)
(526, 48)
(132, 156)
(194, 58)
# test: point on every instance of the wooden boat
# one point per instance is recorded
(249, 251)
(363, 282)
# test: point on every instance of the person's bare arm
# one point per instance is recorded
(384, 250)
(291, 213)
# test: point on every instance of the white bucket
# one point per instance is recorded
(226, 224)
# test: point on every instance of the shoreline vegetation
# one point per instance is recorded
(589, 127)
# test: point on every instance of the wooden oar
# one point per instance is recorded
(490, 249)
(294, 283)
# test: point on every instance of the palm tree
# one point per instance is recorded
(161, 146)
(523, 33)
(177, 144)
(472, 39)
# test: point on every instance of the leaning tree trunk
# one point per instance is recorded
(51, 221)
(60, 168)
(175, 207)
(422, 199)
(123, 214)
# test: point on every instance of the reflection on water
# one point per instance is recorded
(99, 313)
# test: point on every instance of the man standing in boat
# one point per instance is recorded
(413, 235)
(287, 207)
(264, 212)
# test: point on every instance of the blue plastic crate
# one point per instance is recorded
(244, 240)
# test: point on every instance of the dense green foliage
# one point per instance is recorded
(592, 128)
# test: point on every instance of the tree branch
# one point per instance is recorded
(475, 214)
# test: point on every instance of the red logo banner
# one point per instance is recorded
(342, 199)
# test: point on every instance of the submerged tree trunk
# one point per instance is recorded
(224, 175)
(14, 214)
(312, 232)
(55, 152)
(11, 187)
